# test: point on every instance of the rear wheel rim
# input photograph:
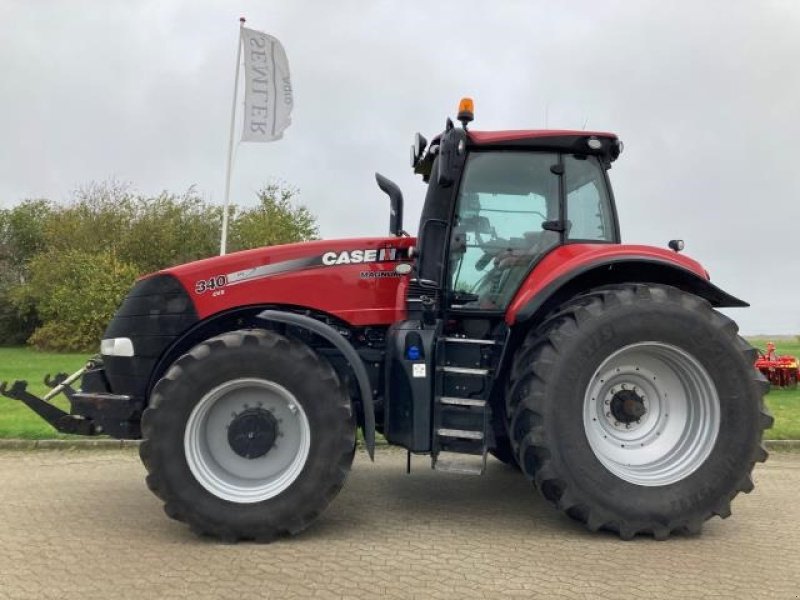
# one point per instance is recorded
(651, 414)
(224, 471)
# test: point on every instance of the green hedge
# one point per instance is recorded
(65, 268)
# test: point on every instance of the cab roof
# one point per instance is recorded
(531, 135)
(606, 146)
(600, 143)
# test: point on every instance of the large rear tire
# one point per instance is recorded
(248, 436)
(637, 409)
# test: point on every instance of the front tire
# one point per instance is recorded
(637, 409)
(248, 436)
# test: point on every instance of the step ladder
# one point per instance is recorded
(462, 433)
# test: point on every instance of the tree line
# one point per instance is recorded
(64, 268)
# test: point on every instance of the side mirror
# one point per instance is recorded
(417, 148)
(396, 203)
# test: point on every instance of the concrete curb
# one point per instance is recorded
(107, 444)
(779, 445)
(68, 444)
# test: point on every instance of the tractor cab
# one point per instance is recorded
(498, 202)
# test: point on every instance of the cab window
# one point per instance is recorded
(497, 233)
(589, 215)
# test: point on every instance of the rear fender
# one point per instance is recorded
(619, 269)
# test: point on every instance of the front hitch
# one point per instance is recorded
(60, 420)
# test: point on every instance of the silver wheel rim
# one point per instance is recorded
(225, 473)
(680, 424)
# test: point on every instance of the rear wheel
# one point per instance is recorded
(248, 436)
(637, 409)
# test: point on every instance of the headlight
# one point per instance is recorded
(116, 347)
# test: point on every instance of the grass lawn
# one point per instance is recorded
(17, 421)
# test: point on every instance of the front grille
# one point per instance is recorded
(156, 311)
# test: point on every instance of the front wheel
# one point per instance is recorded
(248, 436)
(637, 409)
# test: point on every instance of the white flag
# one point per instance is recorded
(268, 88)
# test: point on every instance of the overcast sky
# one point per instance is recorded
(705, 95)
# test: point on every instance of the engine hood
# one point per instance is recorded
(349, 278)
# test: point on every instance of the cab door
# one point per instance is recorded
(508, 214)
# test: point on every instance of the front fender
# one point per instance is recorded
(327, 332)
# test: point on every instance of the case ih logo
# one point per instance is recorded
(354, 257)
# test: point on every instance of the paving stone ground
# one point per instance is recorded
(81, 524)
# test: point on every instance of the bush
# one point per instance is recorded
(65, 269)
(17, 321)
(149, 232)
(22, 235)
(170, 230)
(275, 220)
(75, 294)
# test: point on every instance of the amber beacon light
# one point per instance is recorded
(466, 111)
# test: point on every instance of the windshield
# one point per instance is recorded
(504, 199)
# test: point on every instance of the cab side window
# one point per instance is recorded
(589, 215)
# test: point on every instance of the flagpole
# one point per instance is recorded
(223, 243)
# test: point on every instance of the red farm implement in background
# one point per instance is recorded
(781, 370)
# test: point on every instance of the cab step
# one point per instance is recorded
(465, 371)
(453, 401)
(462, 464)
(464, 340)
(462, 434)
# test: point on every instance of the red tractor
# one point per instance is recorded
(515, 324)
